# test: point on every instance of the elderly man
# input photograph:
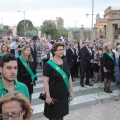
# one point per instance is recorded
(86, 59)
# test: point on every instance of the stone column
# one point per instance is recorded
(14, 31)
(82, 37)
(95, 33)
(110, 32)
(39, 34)
(70, 35)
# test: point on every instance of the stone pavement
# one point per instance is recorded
(108, 111)
(85, 101)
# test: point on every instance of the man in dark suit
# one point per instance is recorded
(86, 60)
(33, 52)
(72, 59)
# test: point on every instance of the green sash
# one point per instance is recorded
(110, 55)
(62, 73)
(1, 54)
(33, 76)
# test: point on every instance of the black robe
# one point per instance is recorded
(24, 76)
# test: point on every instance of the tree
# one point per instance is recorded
(49, 27)
(7, 27)
(63, 32)
(5, 30)
(28, 27)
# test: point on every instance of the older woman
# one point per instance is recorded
(108, 62)
(57, 85)
(46, 53)
(14, 106)
(26, 69)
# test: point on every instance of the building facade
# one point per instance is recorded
(108, 28)
(59, 22)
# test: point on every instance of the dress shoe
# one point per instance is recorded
(106, 90)
(82, 85)
(110, 91)
(89, 84)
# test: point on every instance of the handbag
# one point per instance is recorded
(43, 97)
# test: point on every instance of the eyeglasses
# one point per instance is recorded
(5, 116)
(60, 50)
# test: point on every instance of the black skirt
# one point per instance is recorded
(109, 75)
(57, 110)
(95, 67)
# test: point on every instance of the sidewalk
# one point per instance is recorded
(108, 111)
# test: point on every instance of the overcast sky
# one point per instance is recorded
(39, 10)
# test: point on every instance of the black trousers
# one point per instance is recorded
(91, 72)
(102, 73)
(72, 71)
(85, 69)
(76, 68)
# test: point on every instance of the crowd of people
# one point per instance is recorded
(62, 61)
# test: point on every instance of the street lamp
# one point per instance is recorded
(2, 26)
(24, 22)
(75, 24)
(92, 19)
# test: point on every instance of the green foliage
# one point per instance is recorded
(28, 27)
(49, 27)
(31, 32)
(6, 27)
(6, 31)
(63, 32)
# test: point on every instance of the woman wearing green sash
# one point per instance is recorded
(26, 69)
(108, 61)
(57, 85)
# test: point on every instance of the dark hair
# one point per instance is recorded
(16, 40)
(31, 40)
(78, 43)
(55, 47)
(7, 58)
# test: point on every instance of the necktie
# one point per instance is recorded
(73, 50)
(77, 52)
(89, 50)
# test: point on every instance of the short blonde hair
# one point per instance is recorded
(30, 58)
(118, 46)
(19, 97)
(106, 45)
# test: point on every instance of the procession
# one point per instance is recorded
(60, 73)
